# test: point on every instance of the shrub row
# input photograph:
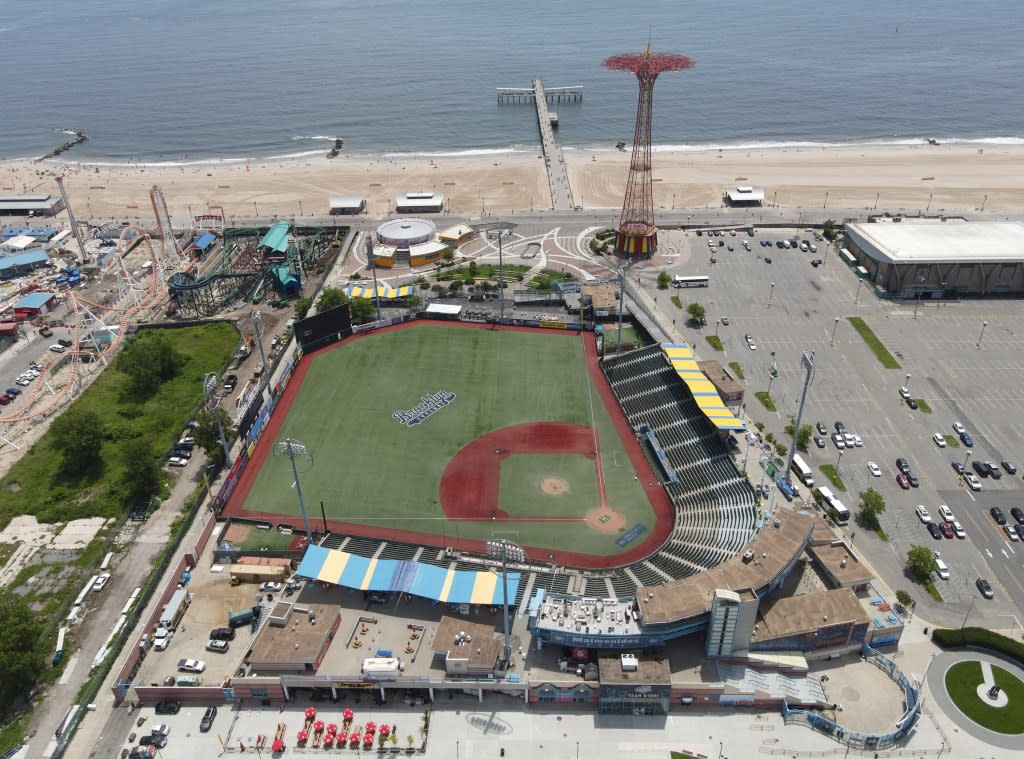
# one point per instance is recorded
(979, 636)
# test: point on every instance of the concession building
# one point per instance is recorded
(935, 259)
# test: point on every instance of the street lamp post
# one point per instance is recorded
(771, 293)
(209, 385)
(968, 614)
(825, 205)
(834, 328)
(292, 448)
(906, 382)
(967, 458)
(856, 298)
(983, 325)
(717, 322)
(838, 460)
(504, 549)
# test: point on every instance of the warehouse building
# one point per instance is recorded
(936, 259)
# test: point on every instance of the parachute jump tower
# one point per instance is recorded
(637, 237)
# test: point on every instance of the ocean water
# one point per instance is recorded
(189, 80)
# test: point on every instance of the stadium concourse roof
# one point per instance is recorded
(399, 576)
(685, 363)
(358, 291)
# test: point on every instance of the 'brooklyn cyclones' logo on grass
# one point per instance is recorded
(426, 408)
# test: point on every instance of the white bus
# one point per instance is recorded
(833, 506)
(801, 470)
(702, 281)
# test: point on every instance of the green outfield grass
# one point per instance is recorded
(370, 469)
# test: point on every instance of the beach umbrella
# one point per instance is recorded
(342, 737)
(319, 726)
(371, 727)
(367, 740)
(310, 712)
(332, 727)
(348, 714)
(302, 736)
(385, 730)
(328, 740)
(278, 745)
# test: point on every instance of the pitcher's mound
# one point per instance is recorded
(605, 519)
(554, 486)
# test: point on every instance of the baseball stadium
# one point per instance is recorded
(446, 435)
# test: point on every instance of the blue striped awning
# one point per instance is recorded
(398, 576)
(385, 293)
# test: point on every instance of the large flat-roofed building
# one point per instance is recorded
(346, 205)
(419, 202)
(933, 259)
(744, 195)
(30, 205)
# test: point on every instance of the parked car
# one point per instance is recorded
(222, 633)
(946, 512)
(57, 348)
(750, 342)
(902, 481)
(904, 392)
(65, 342)
(819, 441)
(997, 515)
(1011, 532)
(270, 587)
(913, 480)
(838, 441)
(4, 400)
(46, 332)
(972, 481)
(958, 428)
(967, 440)
(980, 467)
(1008, 465)
(191, 665)
(177, 461)
(724, 320)
(13, 392)
(858, 441)
(229, 382)
(874, 469)
(217, 646)
(993, 471)
(922, 513)
(958, 530)
(161, 729)
(1017, 514)
(822, 429)
(840, 428)
(984, 587)
(947, 530)
(912, 403)
(934, 531)
(939, 440)
(168, 707)
(957, 467)
(850, 440)
(160, 741)
(208, 717)
(902, 465)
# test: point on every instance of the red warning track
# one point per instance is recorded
(656, 495)
(469, 485)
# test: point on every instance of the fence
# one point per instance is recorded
(853, 738)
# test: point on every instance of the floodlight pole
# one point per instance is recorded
(372, 259)
(500, 548)
(292, 448)
(257, 328)
(499, 228)
(209, 383)
(807, 361)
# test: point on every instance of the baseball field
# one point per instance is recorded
(449, 435)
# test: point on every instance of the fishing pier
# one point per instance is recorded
(554, 161)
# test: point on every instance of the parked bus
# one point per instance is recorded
(801, 470)
(701, 281)
(832, 505)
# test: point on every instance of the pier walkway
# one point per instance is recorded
(554, 161)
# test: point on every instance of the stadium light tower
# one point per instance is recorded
(807, 361)
(371, 258)
(293, 448)
(209, 385)
(500, 228)
(637, 235)
(499, 548)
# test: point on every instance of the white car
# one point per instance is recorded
(947, 513)
(904, 393)
(161, 644)
(101, 582)
(750, 342)
(873, 468)
(838, 441)
(958, 530)
(850, 440)
(972, 481)
(1011, 532)
(57, 348)
(177, 461)
(939, 440)
(191, 665)
(857, 441)
(218, 646)
(958, 428)
(746, 245)
(271, 587)
(922, 513)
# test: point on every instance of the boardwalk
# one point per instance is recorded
(554, 161)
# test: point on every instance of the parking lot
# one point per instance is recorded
(789, 306)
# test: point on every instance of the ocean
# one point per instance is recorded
(167, 81)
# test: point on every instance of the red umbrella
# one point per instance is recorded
(332, 728)
(342, 737)
(385, 730)
(371, 727)
(348, 714)
(278, 745)
(319, 726)
(328, 740)
(353, 740)
(302, 736)
(367, 740)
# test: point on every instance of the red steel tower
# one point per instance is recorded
(637, 235)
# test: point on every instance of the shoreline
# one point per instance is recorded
(954, 177)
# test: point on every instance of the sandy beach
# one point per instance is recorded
(943, 178)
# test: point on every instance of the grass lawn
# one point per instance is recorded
(833, 476)
(766, 400)
(370, 469)
(271, 540)
(962, 681)
(922, 406)
(629, 335)
(952, 441)
(34, 484)
(880, 351)
(715, 342)
(737, 369)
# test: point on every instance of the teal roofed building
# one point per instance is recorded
(274, 244)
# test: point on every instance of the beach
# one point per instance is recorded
(955, 178)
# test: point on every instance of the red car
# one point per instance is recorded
(816, 262)
(903, 481)
(947, 530)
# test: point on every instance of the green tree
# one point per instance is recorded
(871, 507)
(331, 297)
(149, 360)
(456, 285)
(449, 254)
(829, 230)
(664, 280)
(141, 478)
(780, 449)
(207, 436)
(904, 599)
(920, 563)
(413, 301)
(22, 647)
(803, 437)
(78, 435)
(302, 306)
(696, 311)
(363, 309)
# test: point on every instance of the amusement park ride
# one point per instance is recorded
(248, 266)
